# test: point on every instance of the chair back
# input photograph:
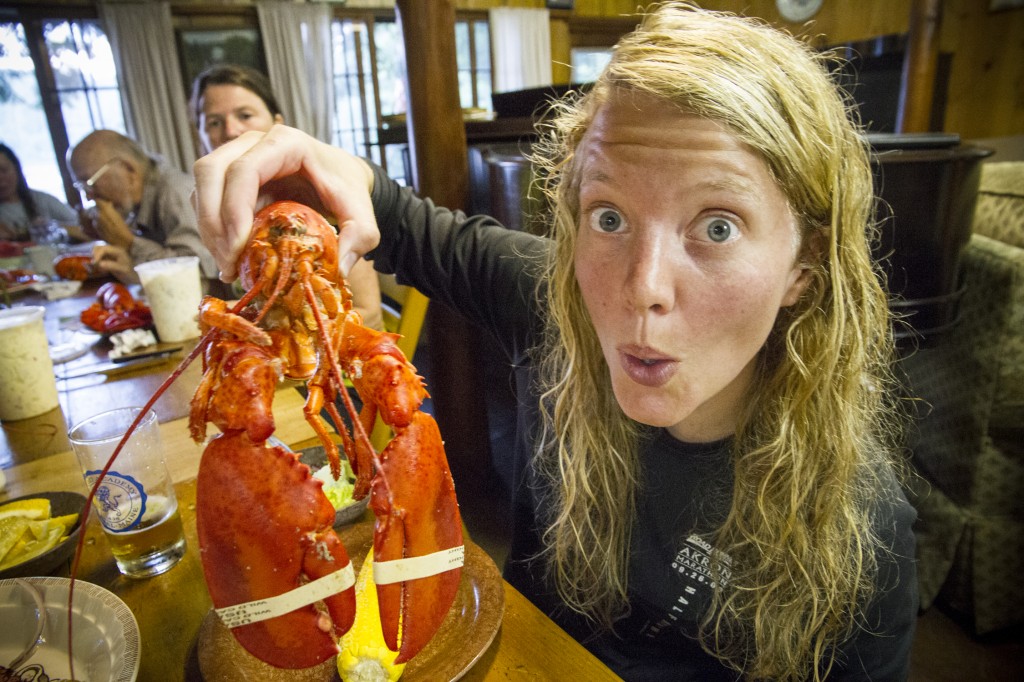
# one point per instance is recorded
(404, 309)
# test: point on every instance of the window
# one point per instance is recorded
(588, 62)
(57, 83)
(473, 53)
(369, 83)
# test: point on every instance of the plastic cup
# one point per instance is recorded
(28, 386)
(174, 289)
(135, 501)
(41, 257)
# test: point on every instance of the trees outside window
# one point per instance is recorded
(57, 83)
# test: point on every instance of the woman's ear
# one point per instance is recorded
(812, 254)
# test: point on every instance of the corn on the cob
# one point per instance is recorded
(364, 656)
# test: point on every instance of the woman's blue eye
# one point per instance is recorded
(720, 230)
(608, 220)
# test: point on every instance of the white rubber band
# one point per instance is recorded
(304, 595)
(387, 572)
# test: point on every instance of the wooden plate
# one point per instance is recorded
(464, 636)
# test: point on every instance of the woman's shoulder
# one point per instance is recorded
(49, 206)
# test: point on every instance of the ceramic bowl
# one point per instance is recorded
(61, 503)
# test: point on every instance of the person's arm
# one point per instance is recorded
(53, 208)
(472, 264)
(111, 226)
(173, 212)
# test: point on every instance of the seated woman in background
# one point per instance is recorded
(21, 206)
(228, 100)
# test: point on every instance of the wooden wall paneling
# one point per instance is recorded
(986, 85)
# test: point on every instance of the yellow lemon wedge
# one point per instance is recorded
(27, 531)
(34, 508)
(42, 536)
(11, 530)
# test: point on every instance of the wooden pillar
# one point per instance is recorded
(920, 66)
(437, 146)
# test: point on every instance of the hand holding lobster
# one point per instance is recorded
(265, 526)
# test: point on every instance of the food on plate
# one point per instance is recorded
(338, 492)
(9, 249)
(74, 266)
(131, 340)
(18, 276)
(115, 310)
(27, 530)
(222, 659)
(364, 656)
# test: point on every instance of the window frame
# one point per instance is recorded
(32, 18)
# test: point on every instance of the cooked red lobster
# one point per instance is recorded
(74, 267)
(264, 524)
(115, 310)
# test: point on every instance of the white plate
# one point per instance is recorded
(106, 644)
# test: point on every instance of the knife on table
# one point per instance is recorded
(120, 365)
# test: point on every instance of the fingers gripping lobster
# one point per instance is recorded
(264, 524)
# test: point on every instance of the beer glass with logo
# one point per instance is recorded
(135, 501)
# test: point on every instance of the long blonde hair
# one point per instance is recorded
(819, 419)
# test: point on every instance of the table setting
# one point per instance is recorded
(96, 384)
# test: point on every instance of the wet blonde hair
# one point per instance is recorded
(818, 421)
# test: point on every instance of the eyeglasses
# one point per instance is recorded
(94, 178)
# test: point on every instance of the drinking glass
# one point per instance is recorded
(135, 501)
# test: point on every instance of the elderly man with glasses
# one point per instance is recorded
(143, 205)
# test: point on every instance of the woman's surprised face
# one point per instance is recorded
(686, 251)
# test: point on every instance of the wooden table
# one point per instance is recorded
(170, 607)
(90, 392)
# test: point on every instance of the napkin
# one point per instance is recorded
(57, 289)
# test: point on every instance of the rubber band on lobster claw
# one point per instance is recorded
(264, 524)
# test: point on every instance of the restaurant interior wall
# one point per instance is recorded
(985, 47)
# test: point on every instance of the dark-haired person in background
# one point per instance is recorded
(228, 100)
(21, 206)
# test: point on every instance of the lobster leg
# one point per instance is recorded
(255, 501)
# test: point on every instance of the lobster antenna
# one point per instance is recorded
(335, 371)
(200, 346)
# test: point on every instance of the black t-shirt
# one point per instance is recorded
(490, 274)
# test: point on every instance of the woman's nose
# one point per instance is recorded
(232, 128)
(650, 277)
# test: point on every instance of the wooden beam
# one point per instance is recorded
(437, 147)
(920, 66)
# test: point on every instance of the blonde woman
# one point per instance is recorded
(702, 351)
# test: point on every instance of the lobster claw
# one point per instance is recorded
(418, 518)
(255, 501)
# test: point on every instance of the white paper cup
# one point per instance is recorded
(174, 290)
(28, 387)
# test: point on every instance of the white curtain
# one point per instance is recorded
(521, 45)
(142, 38)
(297, 42)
